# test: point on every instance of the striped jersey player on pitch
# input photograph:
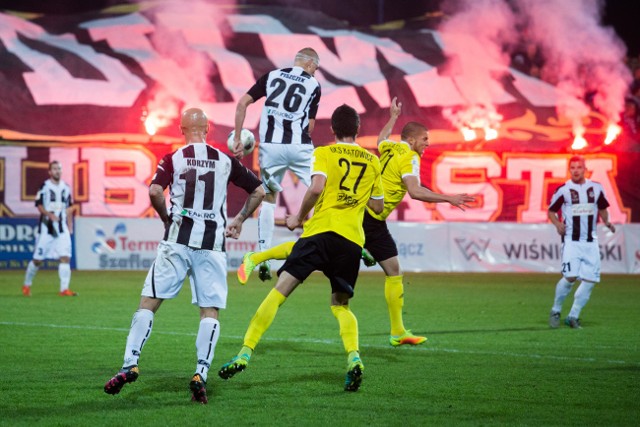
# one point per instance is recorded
(55, 226)
(287, 120)
(580, 202)
(193, 245)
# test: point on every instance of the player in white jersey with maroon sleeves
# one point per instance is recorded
(580, 202)
(193, 246)
(288, 118)
(54, 230)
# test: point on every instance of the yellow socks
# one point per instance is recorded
(280, 251)
(245, 352)
(394, 294)
(263, 318)
(348, 327)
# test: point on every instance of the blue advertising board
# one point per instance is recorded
(17, 242)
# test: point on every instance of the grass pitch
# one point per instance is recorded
(491, 359)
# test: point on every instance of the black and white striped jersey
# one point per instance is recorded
(580, 204)
(292, 99)
(54, 198)
(197, 175)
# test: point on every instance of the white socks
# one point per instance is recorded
(32, 269)
(266, 225)
(580, 299)
(206, 341)
(64, 272)
(141, 326)
(562, 290)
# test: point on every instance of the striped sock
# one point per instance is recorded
(206, 341)
(139, 333)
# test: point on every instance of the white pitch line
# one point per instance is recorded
(331, 341)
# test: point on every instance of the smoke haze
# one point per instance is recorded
(583, 59)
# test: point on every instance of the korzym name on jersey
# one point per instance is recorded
(197, 163)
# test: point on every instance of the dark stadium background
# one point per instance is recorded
(624, 16)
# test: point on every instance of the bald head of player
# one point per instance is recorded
(194, 125)
(308, 59)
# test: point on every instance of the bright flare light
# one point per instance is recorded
(579, 143)
(154, 120)
(490, 134)
(468, 134)
(150, 126)
(613, 131)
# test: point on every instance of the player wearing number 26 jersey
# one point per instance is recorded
(288, 117)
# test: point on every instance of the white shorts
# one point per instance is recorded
(50, 247)
(207, 272)
(581, 260)
(276, 159)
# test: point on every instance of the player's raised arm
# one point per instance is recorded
(394, 112)
(241, 112)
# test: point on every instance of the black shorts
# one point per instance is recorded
(378, 240)
(338, 258)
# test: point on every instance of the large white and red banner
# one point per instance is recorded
(111, 179)
(78, 88)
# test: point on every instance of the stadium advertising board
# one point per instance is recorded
(483, 247)
(129, 244)
(503, 247)
(117, 243)
(106, 243)
(633, 247)
(17, 243)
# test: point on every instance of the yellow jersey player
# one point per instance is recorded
(345, 178)
(400, 163)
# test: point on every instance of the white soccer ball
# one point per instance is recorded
(247, 139)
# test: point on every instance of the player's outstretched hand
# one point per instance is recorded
(460, 200)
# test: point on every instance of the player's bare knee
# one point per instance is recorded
(270, 197)
(151, 304)
(208, 312)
